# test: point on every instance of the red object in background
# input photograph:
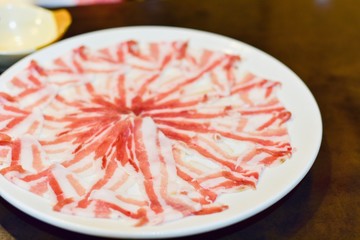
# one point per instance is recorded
(84, 2)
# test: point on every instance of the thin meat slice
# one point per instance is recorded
(144, 132)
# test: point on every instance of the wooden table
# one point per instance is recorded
(320, 41)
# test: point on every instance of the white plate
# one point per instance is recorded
(305, 132)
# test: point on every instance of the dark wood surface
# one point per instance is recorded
(320, 41)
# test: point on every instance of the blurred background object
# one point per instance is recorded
(25, 28)
(63, 3)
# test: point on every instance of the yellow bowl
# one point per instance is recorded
(25, 28)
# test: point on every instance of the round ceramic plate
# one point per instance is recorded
(305, 131)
